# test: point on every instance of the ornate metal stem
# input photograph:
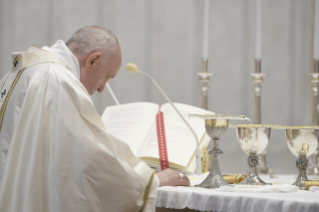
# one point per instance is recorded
(257, 112)
(204, 79)
(215, 128)
(252, 177)
(214, 154)
(258, 79)
(302, 165)
(215, 178)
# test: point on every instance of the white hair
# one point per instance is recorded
(93, 38)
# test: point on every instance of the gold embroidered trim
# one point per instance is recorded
(204, 159)
(14, 65)
(147, 191)
(4, 105)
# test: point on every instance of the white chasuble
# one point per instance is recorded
(55, 154)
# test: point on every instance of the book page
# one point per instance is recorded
(130, 122)
(180, 141)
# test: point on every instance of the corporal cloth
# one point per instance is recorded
(55, 154)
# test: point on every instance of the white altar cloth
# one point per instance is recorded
(211, 200)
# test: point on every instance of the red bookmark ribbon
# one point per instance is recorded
(161, 140)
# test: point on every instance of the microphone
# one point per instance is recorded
(112, 94)
(130, 67)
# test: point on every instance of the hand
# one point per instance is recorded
(170, 177)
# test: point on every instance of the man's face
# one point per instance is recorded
(99, 73)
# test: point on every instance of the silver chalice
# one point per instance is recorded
(302, 142)
(253, 140)
(216, 126)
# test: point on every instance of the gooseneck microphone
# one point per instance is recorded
(130, 67)
(112, 94)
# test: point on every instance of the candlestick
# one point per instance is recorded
(257, 29)
(313, 166)
(204, 75)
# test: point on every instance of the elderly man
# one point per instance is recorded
(55, 154)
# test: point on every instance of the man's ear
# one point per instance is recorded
(93, 60)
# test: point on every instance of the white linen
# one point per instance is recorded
(196, 179)
(314, 188)
(55, 154)
(281, 188)
(203, 199)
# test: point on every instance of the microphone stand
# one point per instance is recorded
(197, 151)
(112, 94)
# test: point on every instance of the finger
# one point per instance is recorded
(184, 176)
(183, 182)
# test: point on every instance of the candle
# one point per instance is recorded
(316, 32)
(257, 29)
(205, 28)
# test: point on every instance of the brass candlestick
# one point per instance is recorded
(204, 79)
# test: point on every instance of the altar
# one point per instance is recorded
(201, 199)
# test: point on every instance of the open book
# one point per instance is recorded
(135, 124)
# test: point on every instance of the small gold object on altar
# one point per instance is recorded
(309, 183)
(234, 178)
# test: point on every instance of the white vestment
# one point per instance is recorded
(55, 154)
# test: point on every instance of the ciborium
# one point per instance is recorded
(216, 126)
(302, 142)
(253, 140)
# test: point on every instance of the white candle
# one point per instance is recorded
(257, 29)
(316, 32)
(205, 28)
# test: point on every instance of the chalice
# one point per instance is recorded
(253, 140)
(302, 142)
(216, 126)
